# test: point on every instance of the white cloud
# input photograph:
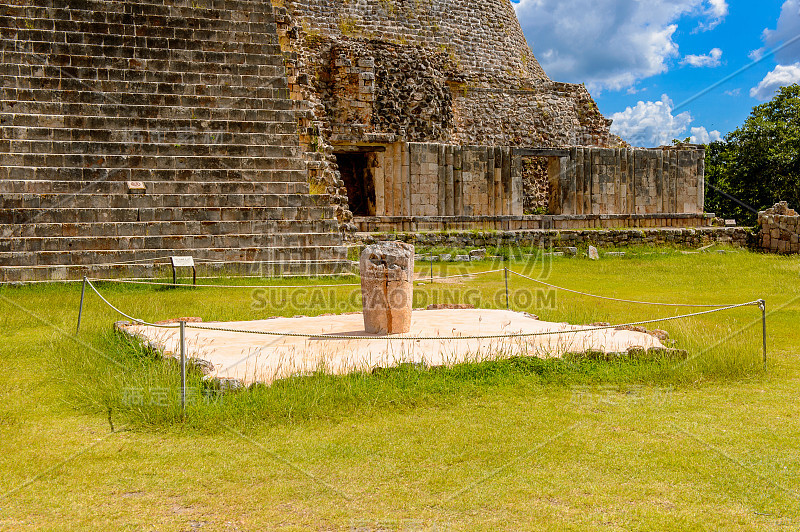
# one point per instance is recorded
(780, 77)
(610, 43)
(756, 55)
(650, 123)
(710, 60)
(788, 28)
(701, 135)
(734, 92)
(715, 12)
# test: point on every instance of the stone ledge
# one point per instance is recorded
(692, 237)
(532, 222)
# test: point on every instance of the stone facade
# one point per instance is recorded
(779, 229)
(628, 180)
(449, 72)
(481, 185)
(435, 71)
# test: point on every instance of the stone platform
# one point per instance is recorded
(251, 358)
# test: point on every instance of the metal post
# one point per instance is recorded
(763, 306)
(431, 257)
(183, 369)
(80, 310)
(505, 273)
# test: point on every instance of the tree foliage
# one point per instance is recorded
(758, 164)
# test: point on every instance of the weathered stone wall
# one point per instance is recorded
(535, 185)
(484, 39)
(627, 180)
(550, 114)
(737, 236)
(441, 180)
(432, 71)
(421, 179)
(779, 229)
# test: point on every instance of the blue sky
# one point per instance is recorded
(645, 61)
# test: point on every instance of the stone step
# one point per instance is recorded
(145, 149)
(190, 242)
(163, 214)
(282, 111)
(162, 270)
(154, 17)
(41, 186)
(112, 76)
(190, 56)
(167, 60)
(117, 256)
(39, 173)
(119, 229)
(117, 40)
(152, 201)
(187, 136)
(167, 95)
(278, 160)
(103, 22)
(82, 122)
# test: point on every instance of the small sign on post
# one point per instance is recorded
(183, 262)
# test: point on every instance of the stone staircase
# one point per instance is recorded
(188, 98)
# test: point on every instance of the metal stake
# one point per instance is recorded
(505, 274)
(80, 310)
(183, 369)
(763, 306)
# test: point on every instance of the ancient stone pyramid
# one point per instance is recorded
(188, 98)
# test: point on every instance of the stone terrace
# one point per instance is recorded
(192, 102)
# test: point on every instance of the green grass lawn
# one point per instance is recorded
(710, 444)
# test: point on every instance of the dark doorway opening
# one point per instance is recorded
(356, 170)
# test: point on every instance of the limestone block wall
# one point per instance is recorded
(628, 181)
(421, 179)
(691, 237)
(779, 230)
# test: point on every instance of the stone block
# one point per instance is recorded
(387, 287)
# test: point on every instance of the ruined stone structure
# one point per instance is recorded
(411, 110)
(779, 230)
(247, 133)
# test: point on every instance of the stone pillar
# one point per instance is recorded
(387, 287)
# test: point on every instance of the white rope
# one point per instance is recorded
(457, 276)
(136, 320)
(472, 337)
(620, 300)
(153, 283)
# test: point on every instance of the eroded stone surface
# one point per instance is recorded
(387, 287)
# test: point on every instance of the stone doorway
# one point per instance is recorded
(356, 170)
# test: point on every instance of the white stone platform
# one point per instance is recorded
(253, 358)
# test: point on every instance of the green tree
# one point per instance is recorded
(758, 164)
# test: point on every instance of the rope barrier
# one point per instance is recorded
(616, 299)
(155, 283)
(399, 337)
(471, 337)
